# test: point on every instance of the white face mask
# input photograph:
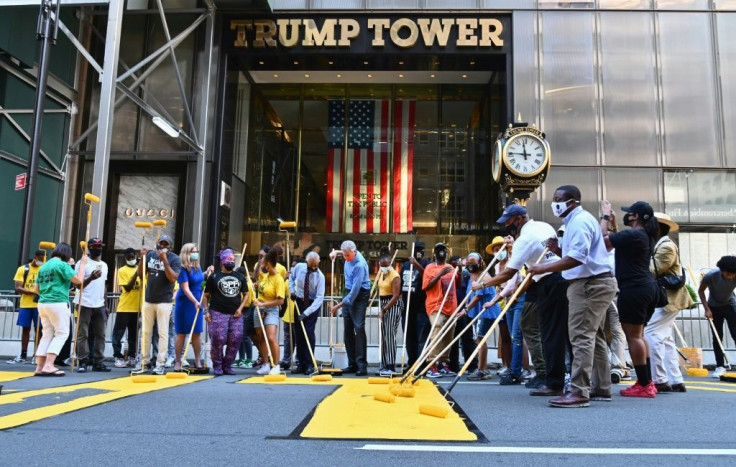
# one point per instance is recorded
(559, 208)
(131, 262)
(502, 255)
(385, 269)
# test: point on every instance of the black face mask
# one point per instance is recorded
(473, 267)
(418, 255)
(511, 230)
(627, 219)
(95, 253)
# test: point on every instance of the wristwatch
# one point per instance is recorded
(606, 217)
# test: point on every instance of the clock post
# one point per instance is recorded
(521, 161)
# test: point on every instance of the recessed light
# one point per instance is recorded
(401, 63)
(431, 76)
(365, 62)
(401, 75)
(260, 62)
(472, 62)
(331, 62)
(306, 75)
(296, 62)
(370, 76)
(465, 76)
(339, 75)
(275, 75)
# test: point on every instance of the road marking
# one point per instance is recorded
(112, 389)
(705, 388)
(545, 450)
(7, 376)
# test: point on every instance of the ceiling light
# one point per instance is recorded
(306, 75)
(370, 76)
(365, 62)
(275, 75)
(432, 75)
(296, 62)
(165, 127)
(260, 62)
(472, 62)
(465, 76)
(400, 75)
(339, 75)
(331, 62)
(401, 63)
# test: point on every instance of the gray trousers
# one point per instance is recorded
(92, 323)
(533, 337)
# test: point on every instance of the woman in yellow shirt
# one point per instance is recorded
(392, 307)
(271, 295)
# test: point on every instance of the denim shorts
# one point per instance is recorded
(481, 327)
(270, 317)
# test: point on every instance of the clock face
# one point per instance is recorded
(526, 155)
(496, 160)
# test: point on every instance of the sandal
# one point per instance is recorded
(56, 372)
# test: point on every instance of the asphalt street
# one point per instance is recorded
(218, 422)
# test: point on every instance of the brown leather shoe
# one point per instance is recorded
(680, 387)
(543, 390)
(663, 387)
(571, 399)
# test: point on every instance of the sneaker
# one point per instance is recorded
(534, 382)
(247, 363)
(600, 397)
(663, 387)
(82, 369)
(433, 373)
(526, 374)
(680, 387)
(285, 364)
(264, 370)
(138, 368)
(169, 362)
(503, 371)
(100, 367)
(237, 363)
(258, 363)
(637, 390)
(568, 381)
(385, 372)
(159, 370)
(487, 374)
(626, 376)
(132, 362)
(276, 370)
(18, 359)
(719, 371)
(510, 380)
(120, 363)
(446, 371)
(477, 375)
(185, 363)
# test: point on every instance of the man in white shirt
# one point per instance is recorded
(547, 291)
(93, 314)
(308, 285)
(587, 266)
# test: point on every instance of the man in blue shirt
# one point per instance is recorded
(355, 303)
(308, 285)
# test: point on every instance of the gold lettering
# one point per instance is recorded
(163, 213)
(140, 212)
(128, 212)
(265, 32)
(466, 32)
(349, 30)
(413, 33)
(172, 214)
(490, 32)
(289, 31)
(433, 30)
(313, 36)
(378, 25)
(238, 25)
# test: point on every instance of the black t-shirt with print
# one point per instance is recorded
(226, 289)
(633, 252)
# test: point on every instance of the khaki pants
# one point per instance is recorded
(449, 335)
(533, 337)
(153, 312)
(588, 305)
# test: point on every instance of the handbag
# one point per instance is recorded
(660, 296)
(670, 281)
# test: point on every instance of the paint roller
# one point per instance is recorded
(378, 380)
(46, 245)
(176, 375)
(90, 198)
(434, 411)
(384, 397)
(143, 379)
(275, 378)
(283, 225)
(144, 225)
(160, 223)
(403, 391)
(321, 377)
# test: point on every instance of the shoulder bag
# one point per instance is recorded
(670, 281)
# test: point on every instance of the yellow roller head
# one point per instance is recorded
(176, 375)
(402, 391)
(384, 397)
(287, 225)
(274, 378)
(144, 225)
(697, 372)
(434, 411)
(83, 245)
(143, 379)
(159, 222)
(46, 245)
(322, 378)
(91, 198)
(378, 380)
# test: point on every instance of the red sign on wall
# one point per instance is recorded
(20, 181)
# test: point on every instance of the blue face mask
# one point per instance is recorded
(194, 256)
(502, 255)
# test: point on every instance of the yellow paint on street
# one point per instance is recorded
(7, 376)
(113, 389)
(352, 413)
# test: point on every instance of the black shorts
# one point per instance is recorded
(636, 303)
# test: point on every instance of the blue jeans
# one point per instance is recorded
(513, 321)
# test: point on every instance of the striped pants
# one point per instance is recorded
(390, 323)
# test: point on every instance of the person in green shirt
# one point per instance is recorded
(52, 286)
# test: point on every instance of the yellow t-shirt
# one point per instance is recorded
(271, 287)
(26, 301)
(129, 302)
(385, 285)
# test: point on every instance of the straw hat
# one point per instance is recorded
(663, 218)
(498, 240)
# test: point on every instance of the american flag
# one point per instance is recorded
(358, 195)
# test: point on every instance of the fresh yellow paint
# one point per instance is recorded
(6, 376)
(351, 412)
(113, 389)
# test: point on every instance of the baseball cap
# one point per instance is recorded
(419, 244)
(440, 246)
(166, 238)
(642, 208)
(95, 241)
(511, 211)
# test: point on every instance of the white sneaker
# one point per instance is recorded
(276, 370)
(503, 371)
(526, 374)
(169, 362)
(120, 363)
(17, 359)
(719, 371)
(264, 369)
(185, 363)
(159, 370)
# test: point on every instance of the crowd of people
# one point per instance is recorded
(566, 303)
